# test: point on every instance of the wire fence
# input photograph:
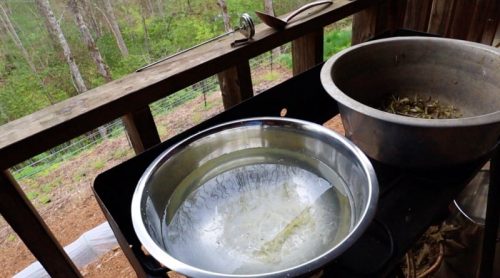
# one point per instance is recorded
(116, 128)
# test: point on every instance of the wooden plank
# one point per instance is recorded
(141, 129)
(27, 223)
(417, 15)
(307, 51)
(391, 15)
(35, 133)
(382, 17)
(441, 16)
(496, 37)
(492, 23)
(364, 24)
(235, 84)
(462, 19)
(479, 17)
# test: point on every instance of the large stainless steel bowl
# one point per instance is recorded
(260, 197)
(456, 72)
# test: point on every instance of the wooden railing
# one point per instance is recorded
(129, 98)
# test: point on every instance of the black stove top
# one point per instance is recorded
(410, 200)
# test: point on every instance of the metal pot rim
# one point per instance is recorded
(186, 269)
(343, 99)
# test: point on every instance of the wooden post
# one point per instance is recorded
(141, 129)
(307, 51)
(235, 84)
(441, 17)
(417, 15)
(485, 21)
(390, 16)
(27, 223)
(385, 16)
(363, 25)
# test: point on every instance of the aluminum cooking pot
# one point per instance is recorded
(460, 73)
(259, 197)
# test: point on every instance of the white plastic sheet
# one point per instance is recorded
(86, 249)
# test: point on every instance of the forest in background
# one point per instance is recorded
(35, 70)
(117, 38)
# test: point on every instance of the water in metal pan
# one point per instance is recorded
(260, 210)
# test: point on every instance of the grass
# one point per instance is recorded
(32, 195)
(79, 175)
(197, 117)
(120, 153)
(98, 164)
(44, 199)
(11, 237)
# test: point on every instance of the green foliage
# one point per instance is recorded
(121, 153)
(47, 188)
(98, 164)
(32, 195)
(79, 175)
(44, 199)
(21, 94)
(148, 38)
(335, 41)
(285, 59)
(11, 237)
(271, 76)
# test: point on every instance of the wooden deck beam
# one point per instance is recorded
(29, 226)
(141, 129)
(235, 84)
(307, 51)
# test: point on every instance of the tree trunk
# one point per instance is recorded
(113, 24)
(102, 68)
(269, 9)
(146, 34)
(89, 14)
(9, 27)
(225, 15)
(146, 8)
(55, 29)
(161, 8)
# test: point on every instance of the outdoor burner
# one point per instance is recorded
(409, 202)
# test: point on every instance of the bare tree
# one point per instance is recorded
(161, 8)
(109, 16)
(89, 15)
(225, 16)
(146, 34)
(9, 27)
(102, 68)
(146, 8)
(55, 29)
(268, 7)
